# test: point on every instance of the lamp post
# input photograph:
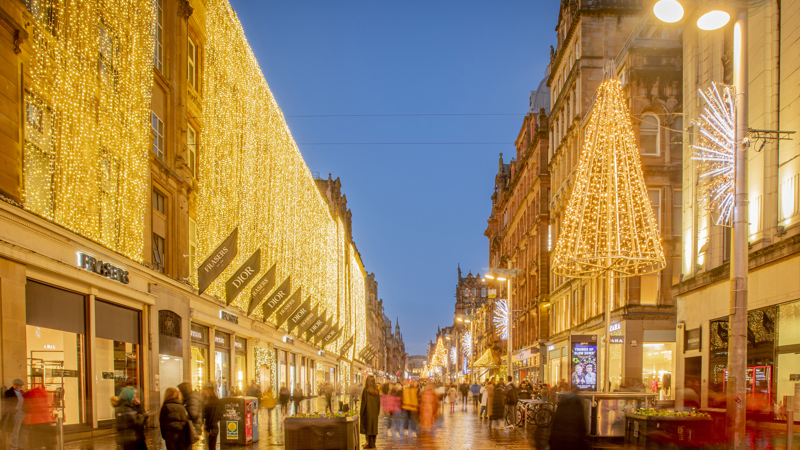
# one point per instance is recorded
(470, 319)
(672, 11)
(506, 275)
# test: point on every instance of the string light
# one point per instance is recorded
(266, 357)
(453, 355)
(715, 150)
(358, 296)
(501, 318)
(609, 224)
(87, 131)
(439, 354)
(466, 343)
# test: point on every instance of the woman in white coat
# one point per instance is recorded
(484, 400)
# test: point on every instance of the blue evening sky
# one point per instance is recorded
(418, 210)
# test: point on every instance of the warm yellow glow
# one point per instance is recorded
(439, 354)
(87, 132)
(669, 11)
(713, 20)
(358, 312)
(489, 276)
(609, 223)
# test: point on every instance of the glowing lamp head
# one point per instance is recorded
(501, 279)
(669, 11)
(490, 276)
(714, 18)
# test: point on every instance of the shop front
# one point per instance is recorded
(222, 363)
(240, 363)
(200, 351)
(557, 362)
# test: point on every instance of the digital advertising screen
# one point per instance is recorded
(583, 362)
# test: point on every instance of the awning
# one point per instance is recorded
(489, 359)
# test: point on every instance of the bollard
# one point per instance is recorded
(60, 430)
(789, 428)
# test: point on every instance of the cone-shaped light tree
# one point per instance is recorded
(439, 355)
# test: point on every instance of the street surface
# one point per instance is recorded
(459, 430)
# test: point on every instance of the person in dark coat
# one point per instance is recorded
(176, 429)
(370, 409)
(212, 414)
(193, 402)
(129, 422)
(569, 424)
(498, 407)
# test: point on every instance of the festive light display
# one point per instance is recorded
(715, 150)
(501, 318)
(266, 357)
(358, 305)
(466, 343)
(253, 176)
(344, 372)
(453, 355)
(609, 223)
(87, 132)
(439, 354)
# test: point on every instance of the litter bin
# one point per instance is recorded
(239, 421)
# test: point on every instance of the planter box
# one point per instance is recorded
(321, 434)
(668, 432)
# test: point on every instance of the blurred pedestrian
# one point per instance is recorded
(512, 397)
(452, 396)
(475, 391)
(212, 414)
(569, 424)
(428, 407)
(411, 406)
(193, 402)
(268, 401)
(254, 390)
(327, 391)
(297, 397)
(525, 390)
(129, 421)
(176, 428)
(498, 407)
(283, 398)
(397, 415)
(463, 388)
(370, 409)
(14, 415)
(39, 419)
(489, 386)
(355, 394)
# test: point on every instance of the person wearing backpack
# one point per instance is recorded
(512, 397)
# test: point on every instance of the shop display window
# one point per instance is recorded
(658, 369)
(240, 366)
(199, 367)
(170, 369)
(116, 366)
(221, 370)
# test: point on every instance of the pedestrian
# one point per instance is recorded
(297, 397)
(512, 397)
(411, 406)
(327, 390)
(484, 400)
(475, 392)
(39, 419)
(569, 424)
(452, 395)
(397, 415)
(525, 390)
(129, 421)
(14, 415)
(370, 409)
(212, 414)
(254, 390)
(283, 398)
(463, 388)
(498, 407)
(428, 407)
(193, 402)
(355, 394)
(176, 428)
(440, 392)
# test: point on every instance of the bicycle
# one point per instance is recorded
(540, 414)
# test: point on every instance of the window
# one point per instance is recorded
(159, 44)
(649, 289)
(158, 139)
(191, 146)
(158, 253)
(677, 212)
(158, 202)
(655, 200)
(483, 292)
(648, 135)
(192, 69)
(46, 12)
(193, 247)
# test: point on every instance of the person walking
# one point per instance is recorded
(212, 414)
(193, 402)
(397, 415)
(484, 400)
(411, 406)
(327, 390)
(297, 397)
(129, 422)
(176, 428)
(512, 397)
(268, 401)
(452, 395)
(355, 394)
(39, 419)
(463, 388)
(498, 408)
(283, 398)
(370, 409)
(475, 392)
(569, 424)
(428, 407)
(14, 415)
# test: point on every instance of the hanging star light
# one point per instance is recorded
(715, 150)
(609, 225)
(466, 343)
(501, 318)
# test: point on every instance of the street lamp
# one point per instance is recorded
(506, 275)
(713, 19)
(470, 319)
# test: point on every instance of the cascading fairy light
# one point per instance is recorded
(715, 150)
(87, 132)
(439, 354)
(501, 318)
(466, 343)
(358, 304)
(609, 223)
(253, 176)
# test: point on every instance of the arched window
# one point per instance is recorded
(648, 135)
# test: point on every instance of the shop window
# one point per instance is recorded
(677, 212)
(222, 360)
(159, 257)
(56, 354)
(648, 135)
(658, 368)
(199, 363)
(158, 55)
(117, 355)
(649, 289)
(192, 64)
(240, 364)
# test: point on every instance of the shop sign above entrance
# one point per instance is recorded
(691, 339)
(617, 339)
(232, 318)
(219, 259)
(102, 268)
(615, 327)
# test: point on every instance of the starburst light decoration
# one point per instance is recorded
(466, 343)
(715, 151)
(609, 223)
(501, 318)
(453, 355)
(439, 354)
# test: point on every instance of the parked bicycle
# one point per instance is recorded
(536, 412)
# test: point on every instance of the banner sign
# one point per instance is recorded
(323, 330)
(242, 276)
(330, 335)
(492, 293)
(219, 259)
(309, 319)
(362, 353)
(277, 297)
(298, 315)
(288, 307)
(347, 345)
(261, 289)
(583, 351)
(316, 325)
(691, 339)
(338, 333)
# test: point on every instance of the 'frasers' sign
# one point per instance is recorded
(102, 268)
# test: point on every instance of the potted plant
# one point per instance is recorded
(653, 428)
(321, 431)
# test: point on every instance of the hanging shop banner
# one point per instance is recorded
(288, 307)
(261, 289)
(316, 325)
(298, 315)
(363, 353)
(309, 319)
(347, 345)
(339, 332)
(243, 275)
(219, 259)
(277, 297)
(330, 335)
(584, 362)
(323, 330)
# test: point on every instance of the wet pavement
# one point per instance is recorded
(459, 430)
